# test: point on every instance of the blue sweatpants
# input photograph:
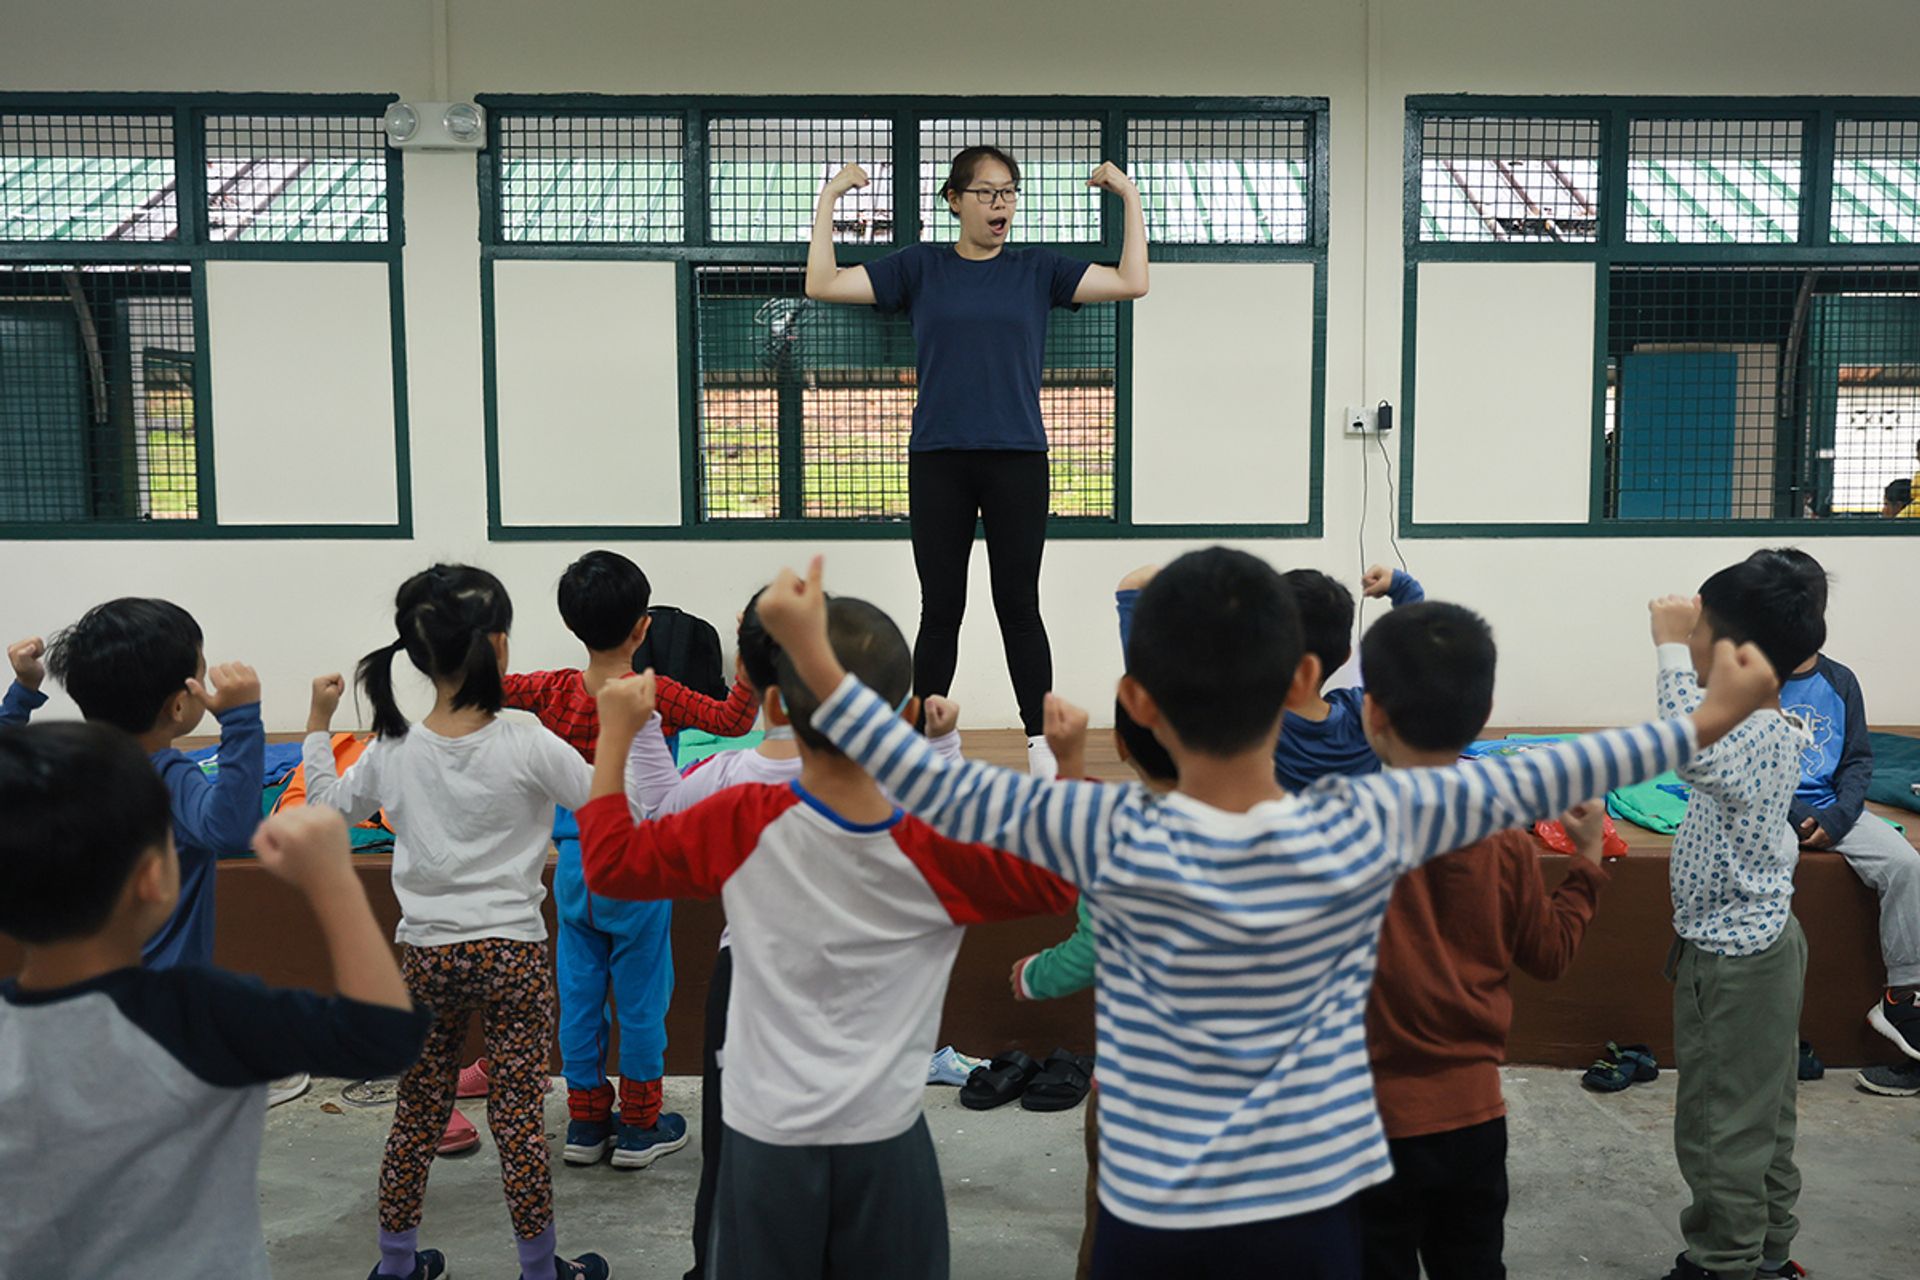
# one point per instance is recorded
(609, 942)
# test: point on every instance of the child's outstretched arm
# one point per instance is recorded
(683, 708)
(357, 794)
(1062, 969)
(1063, 826)
(1551, 926)
(1423, 813)
(1397, 585)
(308, 848)
(652, 781)
(221, 815)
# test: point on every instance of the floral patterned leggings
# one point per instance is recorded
(508, 985)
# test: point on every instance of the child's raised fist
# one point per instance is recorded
(626, 706)
(793, 609)
(1742, 682)
(1673, 618)
(324, 701)
(25, 657)
(943, 716)
(304, 845)
(1066, 730)
(1376, 582)
(1586, 826)
(229, 685)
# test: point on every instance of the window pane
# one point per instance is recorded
(1210, 181)
(87, 177)
(1876, 182)
(1513, 179)
(1056, 158)
(1714, 182)
(296, 178)
(1762, 393)
(805, 409)
(96, 394)
(591, 179)
(764, 179)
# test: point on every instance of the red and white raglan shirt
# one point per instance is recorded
(844, 936)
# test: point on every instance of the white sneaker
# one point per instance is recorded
(287, 1088)
(1040, 761)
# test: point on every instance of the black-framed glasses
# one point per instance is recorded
(993, 195)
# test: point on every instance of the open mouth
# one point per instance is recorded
(998, 226)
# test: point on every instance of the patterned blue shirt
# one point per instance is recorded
(1236, 950)
(1733, 858)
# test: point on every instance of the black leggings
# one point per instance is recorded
(1008, 491)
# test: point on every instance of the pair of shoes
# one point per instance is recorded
(636, 1148)
(1063, 1081)
(1901, 1080)
(1899, 1021)
(1790, 1270)
(1621, 1066)
(460, 1136)
(287, 1088)
(1811, 1068)
(477, 1079)
(473, 1080)
(1684, 1268)
(428, 1264)
(588, 1266)
(950, 1066)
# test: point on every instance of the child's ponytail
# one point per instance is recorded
(375, 676)
(447, 618)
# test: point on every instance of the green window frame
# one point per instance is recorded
(1755, 198)
(115, 203)
(658, 194)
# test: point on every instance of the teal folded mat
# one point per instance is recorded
(696, 745)
(1896, 768)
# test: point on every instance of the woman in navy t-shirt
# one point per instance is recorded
(979, 312)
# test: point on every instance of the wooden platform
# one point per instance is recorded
(1613, 991)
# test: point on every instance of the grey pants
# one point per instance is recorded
(1882, 857)
(830, 1213)
(1736, 1034)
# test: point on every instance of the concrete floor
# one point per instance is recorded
(1595, 1189)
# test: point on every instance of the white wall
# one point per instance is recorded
(1569, 613)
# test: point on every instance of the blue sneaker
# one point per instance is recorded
(428, 1264)
(588, 1266)
(587, 1141)
(950, 1066)
(636, 1148)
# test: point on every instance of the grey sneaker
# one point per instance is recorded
(287, 1088)
(1900, 1080)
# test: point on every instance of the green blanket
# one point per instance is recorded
(1896, 767)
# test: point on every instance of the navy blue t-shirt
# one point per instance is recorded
(980, 329)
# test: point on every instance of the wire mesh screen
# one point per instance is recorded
(296, 178)
(1876, 182)
(96, 394)
(805, 410)
(764, 178)
(591, 179)
(1761, 393)
(1513, 179)
(1056, 158)
(1215, 181)
(90, 177)
(1714, 182)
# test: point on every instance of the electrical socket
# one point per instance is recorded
(1362, 421)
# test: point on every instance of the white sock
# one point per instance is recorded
(1040, 761)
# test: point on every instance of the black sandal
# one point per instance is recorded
(999, 1082)
(1061, 1084)
(1622, 1065)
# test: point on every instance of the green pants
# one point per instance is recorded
(1736, 1034)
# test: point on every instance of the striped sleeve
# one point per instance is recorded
(1424, 813)
(1066, 827)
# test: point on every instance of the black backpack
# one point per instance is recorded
(685, 647)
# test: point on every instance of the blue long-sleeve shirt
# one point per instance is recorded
(1313, 749)
(211, 817)
(1837, 769)
(20, 704)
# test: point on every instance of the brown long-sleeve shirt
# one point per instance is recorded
(1442, 1000)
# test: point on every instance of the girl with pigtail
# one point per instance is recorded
(470, 798)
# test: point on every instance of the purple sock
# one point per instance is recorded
(397, 1250)
(536, 1256)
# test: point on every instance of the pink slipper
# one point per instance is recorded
(460, 1136)
(473, 1080)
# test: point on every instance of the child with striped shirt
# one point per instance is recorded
(1237, 924)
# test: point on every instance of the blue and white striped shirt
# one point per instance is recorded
(1236, 949)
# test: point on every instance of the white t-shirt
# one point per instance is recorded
(472, 820)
